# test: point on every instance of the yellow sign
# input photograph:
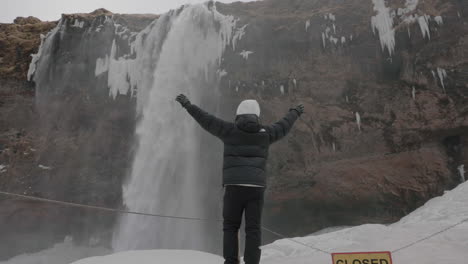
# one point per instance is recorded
(362, 258)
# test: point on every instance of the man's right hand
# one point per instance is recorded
(183, 100)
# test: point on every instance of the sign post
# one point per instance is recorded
(362, 258)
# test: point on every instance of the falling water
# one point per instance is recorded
(169, 173)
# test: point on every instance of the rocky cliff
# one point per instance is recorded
(384, 85)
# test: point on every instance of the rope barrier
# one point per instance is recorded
(100, 208)
(70, 204)
(279, 235)
(430, 236)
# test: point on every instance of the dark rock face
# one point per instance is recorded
(329, 171)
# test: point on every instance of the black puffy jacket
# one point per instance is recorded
(246, 143)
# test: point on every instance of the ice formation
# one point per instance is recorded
(102, 66)
(383, 23)
(439, 20)
(442, 73)
(245, 54)
(358, 120)
(78, 24)
(461, 170)
(424, 26)
(238, 34)
(44, 167)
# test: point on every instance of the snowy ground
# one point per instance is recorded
(437, 214)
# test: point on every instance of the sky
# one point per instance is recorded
(49, 10)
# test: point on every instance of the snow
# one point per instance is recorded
(424, 25)
(307, 25)
(437, 214)
(358, 120)
(442, 73)
(245, 54)
(439, 20)
(44, 167)
(61, 253)
(461, 170)
(155, 256)
(331, 17)
(383, 23)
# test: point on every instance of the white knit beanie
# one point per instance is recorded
(248, 107)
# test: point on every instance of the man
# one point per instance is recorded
(246, 144)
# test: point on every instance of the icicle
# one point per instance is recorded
(461, 170)
(295, 82)
(383, 23)
(343, 40)
(424, 25)
(334, 28)
(347, 99)
(439, 20)
(307, 25)
(442, 73)
(44, 167)
(282, 89)
(334, 147)
(358, 120)
(323, 40)
(413, 93)
(237, 88)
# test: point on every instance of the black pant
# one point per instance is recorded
(238, 200)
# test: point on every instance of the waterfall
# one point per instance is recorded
(176, 166)
(169, 174)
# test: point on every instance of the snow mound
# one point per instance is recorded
(436, 215)
(155, 256)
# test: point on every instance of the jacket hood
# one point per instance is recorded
(248, 107)
(248, 123)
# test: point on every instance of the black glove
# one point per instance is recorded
(183, 100)
(299, 109)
